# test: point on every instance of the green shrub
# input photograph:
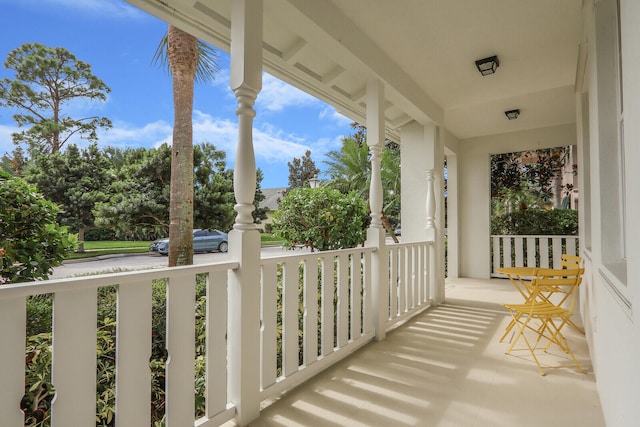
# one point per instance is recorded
(321, 218)
(31, 242)
(39, 390)
(536, 222)
(99, 234)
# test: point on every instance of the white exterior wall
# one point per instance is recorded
(474, 188)
(609, 305)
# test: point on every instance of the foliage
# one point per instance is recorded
(99, 234)
(46, 79)
(139, 204)
(39, 392)
(259, 213)
(31, 242)
(75, 180)
(302, 170)
(529, 172)
(38, 387)
(536, 221)
(14, 165)
(516, 200)
(321, 218)
(206, 67)
(350, 170)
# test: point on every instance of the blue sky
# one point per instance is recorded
(119, 41)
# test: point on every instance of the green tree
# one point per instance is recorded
(189, 61)
(302, 170)
(47, 79)
(521, 179)
(259, 213)
(16, 164)
(75, 180)
(321, 218)
(350, 169)
(140, 197)
(31, 242)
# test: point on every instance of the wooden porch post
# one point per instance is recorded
(376, 232)
(244, 239)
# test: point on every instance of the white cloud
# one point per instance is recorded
(330, 113)
(6, 141)
(277, 95)
(270, 143)
(124, 135)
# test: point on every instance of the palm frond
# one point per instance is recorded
(207, 67)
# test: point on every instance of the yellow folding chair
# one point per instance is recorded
(543, 314)
(570, 261)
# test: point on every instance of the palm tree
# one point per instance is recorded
(350, 170)
(189, 61)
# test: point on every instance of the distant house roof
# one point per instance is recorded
(272, 198)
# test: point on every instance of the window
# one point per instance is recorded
(611, 137)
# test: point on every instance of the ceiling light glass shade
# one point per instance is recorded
(488, 66)
(512, 114)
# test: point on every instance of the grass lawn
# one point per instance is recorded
(110, 247)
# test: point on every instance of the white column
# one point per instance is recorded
(431, 205)
(452, 216)
(244, 239)
(376, 232)
(422, 160)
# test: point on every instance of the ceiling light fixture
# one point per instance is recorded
(488, 65)
(512, 114)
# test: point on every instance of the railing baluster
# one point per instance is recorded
(367, 304)
(402, 264)
(495, 241)
(393, 283)
(343, 300)
(310, 325)
(290, 318)
(428, 253)
(216, 331)
(506, 251)
(356, 287)
(556, 243)
(544, 252)
(571, 245)
(518, 241)
(269, 310)
(531, 251)
(133, 351)
(420, 274)
(180, 399)
(328, 289)
(74, 358)
(12, 351)
(414, 276)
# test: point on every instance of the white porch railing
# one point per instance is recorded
(409, 284)
(315, 309)
(530, 251)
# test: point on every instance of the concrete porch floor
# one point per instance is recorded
(446, 368)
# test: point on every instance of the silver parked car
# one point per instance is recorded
(203, 241)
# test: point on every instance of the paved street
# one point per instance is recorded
(118, 263)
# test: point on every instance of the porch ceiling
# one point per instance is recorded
(424, 50)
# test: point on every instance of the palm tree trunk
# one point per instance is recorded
(182, 54)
